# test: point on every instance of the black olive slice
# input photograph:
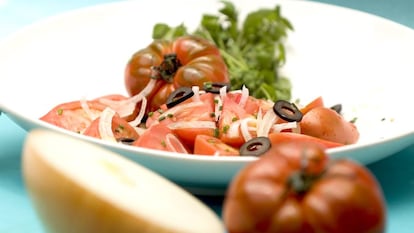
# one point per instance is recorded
(178, 96)
(127, 141)
(287, 111)
(255, 147)
(214, 87)
(337, 108)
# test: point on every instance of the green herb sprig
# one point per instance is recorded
(253, 50)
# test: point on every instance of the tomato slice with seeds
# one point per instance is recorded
(120, 128)
(209, 145)
(231, 112)
(72, 116)
(188, 119)
(160, 137)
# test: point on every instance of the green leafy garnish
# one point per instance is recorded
(253, 50)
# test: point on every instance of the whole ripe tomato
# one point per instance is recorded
(186, 61)
(294, 187)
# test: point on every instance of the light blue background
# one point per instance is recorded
(395, 174)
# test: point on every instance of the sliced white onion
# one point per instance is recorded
(245, 129)
(277, 128)
(297, 129)
(192, 124)
(244, 96)
(235, 92)
(127, 106)
(105, 125)
(223, 92)
(139, 130)
(141, 113)
(259, 116)
(171, 139)
(266, 123)
(125, 110)
(196, 91)
(180, 108)
(85, 106)
(233, 131)
(218, 105)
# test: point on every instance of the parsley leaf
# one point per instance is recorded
(253, 50)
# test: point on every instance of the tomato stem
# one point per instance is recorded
(167, 69)
(300, 182)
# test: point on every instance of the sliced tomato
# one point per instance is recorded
(251, 105)
(189, 110)
(160, 137)
(201, 112)
(157, 117)
(277, 138)
(72, 116)
(199, 120)
(209, 145)
(187, 134)
(120, 128)
(231, 113)
(188, 119)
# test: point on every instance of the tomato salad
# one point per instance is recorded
(205, 121)
(181, 101)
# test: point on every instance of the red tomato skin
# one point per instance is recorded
(252, 105)
(188, 135)
(71, 116)
(344, 196)
(277, 138)
(201, 112)
(200, 62)
(120, 128)
(317, 102)
(231, 112)
(155, 137)
(327, 124)
(210, 145)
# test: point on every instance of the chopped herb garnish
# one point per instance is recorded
(208, 85)
(60, 111)
(226, 128)
(212, 141)
(353, 120)
(119, 129)
(216, 133)
(163, 143)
